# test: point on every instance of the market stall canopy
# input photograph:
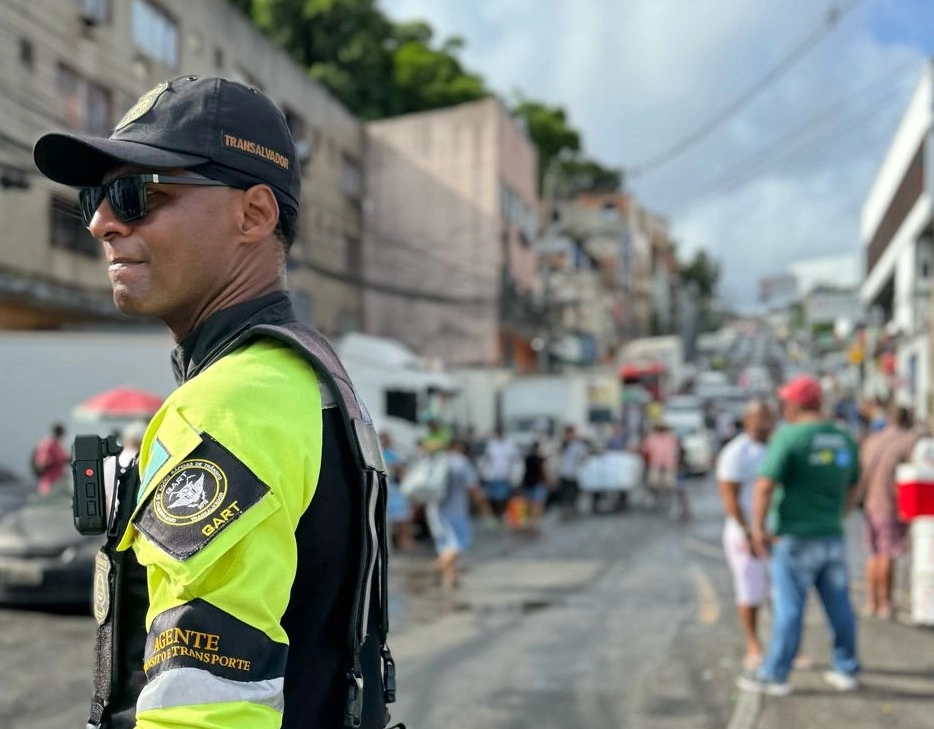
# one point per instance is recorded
(119, 403)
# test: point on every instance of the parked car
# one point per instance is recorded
(43, 559)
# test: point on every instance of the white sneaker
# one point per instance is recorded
(841, 681)
(758, 686)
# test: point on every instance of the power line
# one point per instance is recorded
(784, 147)
(815, 145)
(384, 288)
(659, 160)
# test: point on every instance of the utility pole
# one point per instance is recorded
(549, 189)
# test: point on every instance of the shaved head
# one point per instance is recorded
(755, 407)
(757, 420)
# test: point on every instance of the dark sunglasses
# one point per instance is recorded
(127, 194)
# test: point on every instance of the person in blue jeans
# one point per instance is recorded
(806, 485)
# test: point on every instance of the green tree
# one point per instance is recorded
(343, 43)
(559, 142)
(431, 78)
(550, 131)
(579, 175)
(375, 67)
(703, 271)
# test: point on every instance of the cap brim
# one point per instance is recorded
(80, 161)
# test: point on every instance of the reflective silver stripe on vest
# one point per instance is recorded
(192, 686)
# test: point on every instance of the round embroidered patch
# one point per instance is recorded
(142, 106)
(192, 491)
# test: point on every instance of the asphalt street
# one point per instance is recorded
(612, 621)
(607, 621)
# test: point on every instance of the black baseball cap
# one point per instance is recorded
(221, 126)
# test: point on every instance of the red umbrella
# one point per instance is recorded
(120, 402)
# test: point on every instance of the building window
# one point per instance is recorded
(351, 180)
(155, 33)
(86, 106)
(299, 132)
(94, 12)
(353, 251)
(26, 56)
(67, 229)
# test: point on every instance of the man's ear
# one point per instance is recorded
(259, 213)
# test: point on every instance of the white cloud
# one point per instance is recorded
(638, 75)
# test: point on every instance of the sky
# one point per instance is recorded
(785, 177)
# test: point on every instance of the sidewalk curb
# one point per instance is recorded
(747, 712)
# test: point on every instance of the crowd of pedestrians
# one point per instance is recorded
(504, 483)
(491, 480)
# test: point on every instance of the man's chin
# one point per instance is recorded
(129, 305)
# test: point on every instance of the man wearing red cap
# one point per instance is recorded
(812, 469)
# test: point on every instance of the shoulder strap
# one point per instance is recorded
(374, 551)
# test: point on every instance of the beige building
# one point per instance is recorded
(79, 64)
(451, 221)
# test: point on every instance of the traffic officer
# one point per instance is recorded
(260, 478)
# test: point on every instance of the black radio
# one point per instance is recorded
(90, 502)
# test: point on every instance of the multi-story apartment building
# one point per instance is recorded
(451, 222)
(897, 233)
(611, 273)
(585, 266)
(79, 64)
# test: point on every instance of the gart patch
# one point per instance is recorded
(198, 499)
(192, 492)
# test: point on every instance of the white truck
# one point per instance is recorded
(644, 354)
(588, 400)
(400, 390)
(477, 402)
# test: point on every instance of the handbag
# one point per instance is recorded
(426, 480)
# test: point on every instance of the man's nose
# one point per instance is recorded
(105, 224)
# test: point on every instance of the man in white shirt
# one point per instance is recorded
(499, 459)
(737, 469)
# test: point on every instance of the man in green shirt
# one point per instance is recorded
(806, 485)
